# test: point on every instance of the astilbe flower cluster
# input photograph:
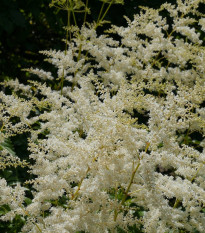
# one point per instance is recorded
(116, 133)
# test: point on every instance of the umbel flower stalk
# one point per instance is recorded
(120, 145)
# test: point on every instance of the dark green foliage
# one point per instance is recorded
(25, 28)
(7, 145)
(28, 26)
(17, 146)
(13, 226)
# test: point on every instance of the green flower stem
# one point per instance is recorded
(68, 33)
(97, 25)
(73, 13)
(101, 10)
(193, 178)
(27, 214)
(131, 182)
(74, 196)
(105, 13)
(86, 7)
(177, 202)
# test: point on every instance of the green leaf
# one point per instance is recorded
(4, 209)
(7, 145)
(27, 201)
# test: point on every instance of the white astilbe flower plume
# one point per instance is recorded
(116, 148)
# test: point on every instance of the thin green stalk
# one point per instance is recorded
(98, 23)
(74, 195)
(86, 7)
(177, 202)
(127, 190)
(101, 10)
(193, 178)
(68, 33)
(79, 53)
(27, 213)
(155, 59)
(74, 18)
(131, 182)
(116, 189)
(105, 13)
(2, 127)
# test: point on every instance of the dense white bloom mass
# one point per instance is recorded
(118, 148)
